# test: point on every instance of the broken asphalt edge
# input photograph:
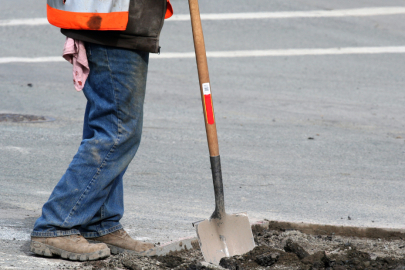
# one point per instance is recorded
(308, 228)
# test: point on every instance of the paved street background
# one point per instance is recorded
(267, 108)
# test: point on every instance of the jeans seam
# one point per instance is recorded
(110, 230)
(117, 104)
(100, 232)
(56, 233)
(116, 142)
(102, 212)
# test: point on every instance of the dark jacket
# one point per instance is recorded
(146, 18)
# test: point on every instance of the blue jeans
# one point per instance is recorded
(88, 199)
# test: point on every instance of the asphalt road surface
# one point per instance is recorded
(309, 99)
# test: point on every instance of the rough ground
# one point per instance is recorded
(280, 248)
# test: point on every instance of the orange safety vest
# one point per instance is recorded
(92, 15)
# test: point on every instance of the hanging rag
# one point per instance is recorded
(74, 51)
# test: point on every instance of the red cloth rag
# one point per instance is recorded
(74, 51)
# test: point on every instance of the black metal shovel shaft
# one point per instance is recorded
(218, 187)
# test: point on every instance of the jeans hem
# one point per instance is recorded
(103, 232)
(55, 233)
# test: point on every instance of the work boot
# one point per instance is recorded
(71, 247)
(120, 241)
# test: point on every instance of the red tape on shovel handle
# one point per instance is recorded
(209, 109)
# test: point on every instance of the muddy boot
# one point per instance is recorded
(119, 241)
(71, 247)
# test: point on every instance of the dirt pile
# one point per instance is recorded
(345, 257)
(280, 248)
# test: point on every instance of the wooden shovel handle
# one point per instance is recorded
(203, 76)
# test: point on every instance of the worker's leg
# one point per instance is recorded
(90, 192)
(113, 207)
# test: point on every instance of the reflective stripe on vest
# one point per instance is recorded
(88, 15)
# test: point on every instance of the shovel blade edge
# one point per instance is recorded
(225, 237)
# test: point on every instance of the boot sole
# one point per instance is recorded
(49, 251)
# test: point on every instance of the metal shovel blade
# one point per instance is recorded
(227, 236)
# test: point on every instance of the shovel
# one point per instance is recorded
(222, 235)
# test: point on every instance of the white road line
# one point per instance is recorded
(233, 54)
(374, 11)
(35, 21)
(296, 14)
(289, 52)
(303, 52)
(6, 60)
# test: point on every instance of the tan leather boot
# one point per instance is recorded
(119, 241)
(71, 247)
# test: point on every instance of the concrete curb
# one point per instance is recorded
(308, 228)
(318, 229)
